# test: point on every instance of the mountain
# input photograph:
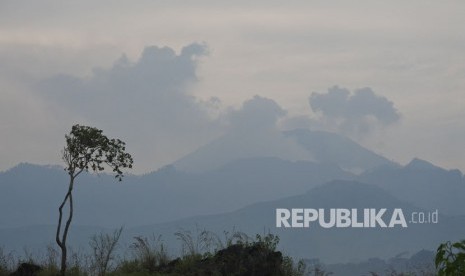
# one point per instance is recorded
(333, 245)
(422, 184)
(327, 147)
(35, 239)
(300, 144)
(242, 191)
(330, 245)
(31, 194)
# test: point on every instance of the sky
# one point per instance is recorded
(170, 76)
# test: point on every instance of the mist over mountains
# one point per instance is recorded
(220, 188)
(319, 146)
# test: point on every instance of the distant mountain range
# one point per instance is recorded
(332, 245)
(423, 184)
(218, 190)
(31, 193)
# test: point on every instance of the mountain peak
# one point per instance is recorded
(328, 147)
(292, 145)
(419, 164)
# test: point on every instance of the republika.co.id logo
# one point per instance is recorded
(354, 218)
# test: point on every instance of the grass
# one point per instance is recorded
(203, 253)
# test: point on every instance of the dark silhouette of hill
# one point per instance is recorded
(422, 184)
(31, 194)
(333, 245)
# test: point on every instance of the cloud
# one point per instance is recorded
(252, 131)
(358, 112)
(147, 101)
(256, 113)
(154, 88)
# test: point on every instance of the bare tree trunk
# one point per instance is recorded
(62, 242)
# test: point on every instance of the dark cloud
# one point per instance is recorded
(356, 112)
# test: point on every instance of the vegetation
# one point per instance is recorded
(103, 248)
(241, 256)
(235, 253)
(87, 149)
(450, 259)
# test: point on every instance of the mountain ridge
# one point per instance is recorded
(329, 245)
(317, 146)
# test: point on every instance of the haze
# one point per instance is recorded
(170, 76)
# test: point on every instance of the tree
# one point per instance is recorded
(450, 258)
(87, 149)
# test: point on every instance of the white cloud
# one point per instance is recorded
(147, 103)
(358, 112)
(252, 132)
(256, 113)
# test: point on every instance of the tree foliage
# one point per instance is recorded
(450, 258)
(87, 148)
